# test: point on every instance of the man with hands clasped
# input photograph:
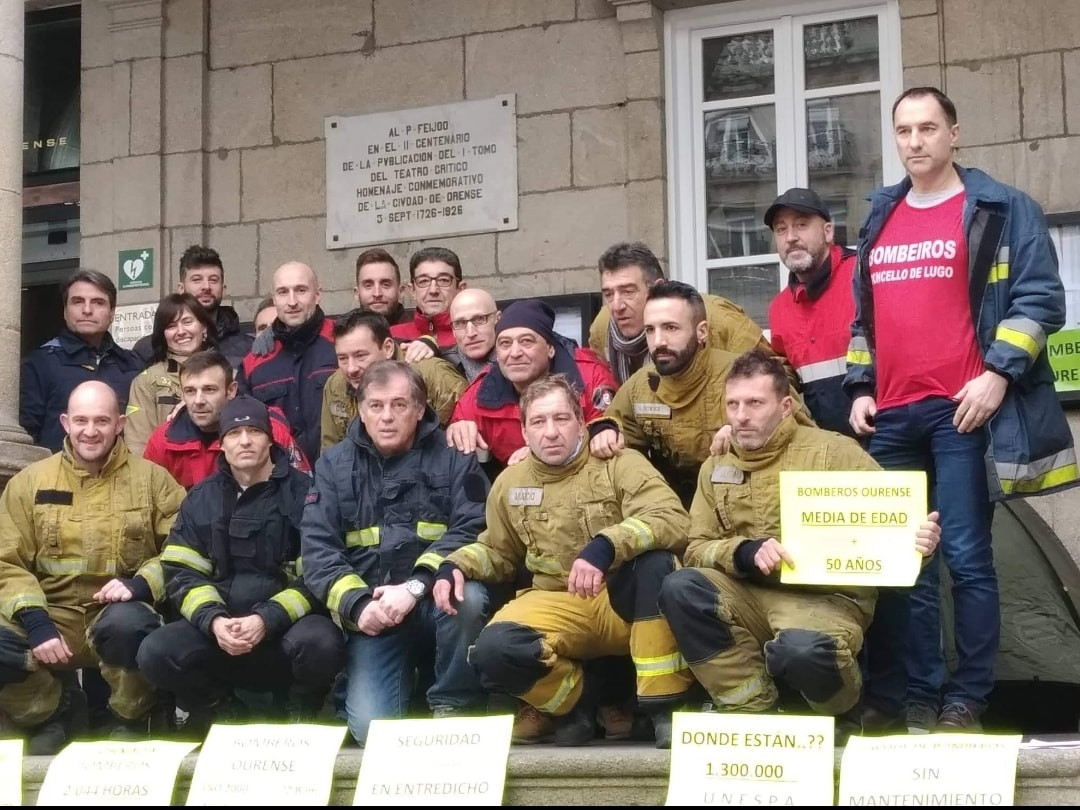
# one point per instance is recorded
(249, 621)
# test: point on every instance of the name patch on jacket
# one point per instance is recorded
(726, 474)
(526, 496)
(57, 496)
(655, 410)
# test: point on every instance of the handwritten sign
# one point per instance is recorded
(107, 774)
(735, 759)
(932, 770)
(851, 528)
(276, 765)
(421, 173)
(458, 762)
(11, 752)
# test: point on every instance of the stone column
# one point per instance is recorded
(16, 449)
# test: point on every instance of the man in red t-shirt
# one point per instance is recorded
(956, 291)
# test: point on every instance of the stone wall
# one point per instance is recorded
(1013, 70)
(203, 121)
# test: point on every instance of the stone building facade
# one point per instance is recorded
(202, 121)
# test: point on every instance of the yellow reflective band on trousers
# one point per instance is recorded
(430, 531)
(746, 691)
(187, 557)
(196, 598)
(644, 539)
(573, 630)
(349, 582)
(362, 537)
(154, 575)
(292, 602)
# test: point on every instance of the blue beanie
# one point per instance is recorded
(529, 314)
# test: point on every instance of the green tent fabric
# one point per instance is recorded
(1038, 668)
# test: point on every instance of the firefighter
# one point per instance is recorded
(740, 629)
(526, 348)
(599, 536)
(388, 504)
(360, 338)
(671, 408)
(80, 534)
(229, 570)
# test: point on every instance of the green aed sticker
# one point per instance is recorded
(1063, 349)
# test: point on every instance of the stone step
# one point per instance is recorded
(625, 774)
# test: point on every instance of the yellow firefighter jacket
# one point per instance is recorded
(444, 382)
(543, 516)
(64, 533)
(738, 496)
(153, 396)
(672, 419)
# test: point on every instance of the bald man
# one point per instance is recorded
(473, 315)
(290, 362)
(80, 534)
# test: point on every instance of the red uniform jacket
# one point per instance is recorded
(492, 401)
(184, 450)
(811, 327)
(436, 328)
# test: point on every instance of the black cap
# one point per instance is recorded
(530, 314)
(244, 412)
(801, 199)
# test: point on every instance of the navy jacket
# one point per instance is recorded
(233, 553)
(1017, 299)
(292, 375)
(371, 520)
(53, 370)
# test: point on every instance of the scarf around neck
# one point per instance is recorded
(625, 356)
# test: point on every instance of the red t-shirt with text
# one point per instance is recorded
(924, 336)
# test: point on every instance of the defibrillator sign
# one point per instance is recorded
(851, 528)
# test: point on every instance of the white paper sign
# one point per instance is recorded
(732, 759)
(421, 173)
(933, 770)
(458, 761)
(11, 773)
(107, 774)
(132, 322)
(264, 764)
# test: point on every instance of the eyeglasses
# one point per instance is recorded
(462, 324)
(424, 282)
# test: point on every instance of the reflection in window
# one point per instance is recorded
(736, 145)
(752, 287)
(841, 52)
(1066, 238)
(737, 66)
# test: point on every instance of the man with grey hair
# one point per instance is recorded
(389, 503)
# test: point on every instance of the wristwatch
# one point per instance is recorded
(416, 588)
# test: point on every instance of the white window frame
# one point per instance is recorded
(684, 32)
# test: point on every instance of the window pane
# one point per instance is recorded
(1067, 241)
(737, 66)
(740, 180)
(843, 154)
(752, 287)
(844, 52)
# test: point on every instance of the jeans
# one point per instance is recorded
(907, 625)
(381, 669)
